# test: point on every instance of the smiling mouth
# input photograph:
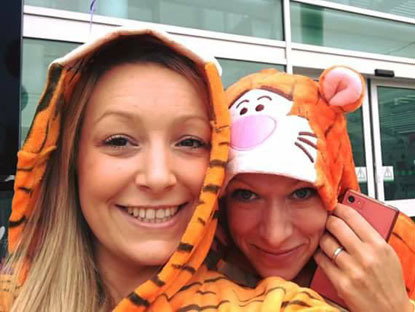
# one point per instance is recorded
(153, 214)
(278, 252)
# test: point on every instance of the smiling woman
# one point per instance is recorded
(134, 112)
(116, 187)
(290, 163)
(130, 164)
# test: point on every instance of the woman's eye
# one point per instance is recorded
(243, 195)
(304, 193)
(116, 141)
(192, 143)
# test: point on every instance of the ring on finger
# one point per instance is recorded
(336, 253)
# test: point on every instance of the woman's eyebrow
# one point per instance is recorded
(264, 97)
(117, 113)
(242, 102)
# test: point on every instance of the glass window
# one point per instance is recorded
(332, 28)
(233, 70)
(397, 131)
(258, 18)
(355, 130)
(37, 55)
(397, 7)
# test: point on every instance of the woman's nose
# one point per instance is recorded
(157, 173)
(276, 225)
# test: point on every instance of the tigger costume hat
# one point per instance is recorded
(184, 283)
(292, 126)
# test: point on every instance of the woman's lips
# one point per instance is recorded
(284, 255)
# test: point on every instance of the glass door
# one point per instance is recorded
(393, 121)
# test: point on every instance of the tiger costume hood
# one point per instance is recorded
(184, 283)
(292, 126)
(273, 111)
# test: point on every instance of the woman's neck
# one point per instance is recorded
(303, 278)
(120, 277)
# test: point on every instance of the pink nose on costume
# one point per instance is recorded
(248, 132)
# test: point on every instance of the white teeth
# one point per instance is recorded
(151, 215)
(160, 214)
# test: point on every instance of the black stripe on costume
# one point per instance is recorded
(219, 129)
(295, 302)
(215, 214)
(59, 104)
(156, 280)
(44, 138)
(186, 287)
(309, 295)
(25, 169)
(327, 131)
(195, 307)
(225, 143)
(43, 104)
(18, 222)
(264, 293)
(25, 189)
(214, 280)
(138, 301)
(217, 163)
(253, 301)
(187, 268)
(54, 76)
(207, 292)
(185, 247)
(203, 222)
(78, 66)
(211, 188)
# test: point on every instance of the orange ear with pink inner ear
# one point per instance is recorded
(342, 87)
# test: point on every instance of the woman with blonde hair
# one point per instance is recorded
(116, 187)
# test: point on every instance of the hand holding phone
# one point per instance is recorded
(381, 217)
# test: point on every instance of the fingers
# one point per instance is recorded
(344, 235)
(361, 228)
(334, 251)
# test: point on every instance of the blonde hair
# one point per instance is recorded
(56, 241)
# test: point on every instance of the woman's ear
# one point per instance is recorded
(342, 87)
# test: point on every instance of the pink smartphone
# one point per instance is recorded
(381, 216)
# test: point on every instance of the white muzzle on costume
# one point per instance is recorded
(266, 139)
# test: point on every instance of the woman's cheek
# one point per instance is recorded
(312, 221)
(241, 220)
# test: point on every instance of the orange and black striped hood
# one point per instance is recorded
(64, 74)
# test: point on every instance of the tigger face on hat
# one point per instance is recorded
(292, 126)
